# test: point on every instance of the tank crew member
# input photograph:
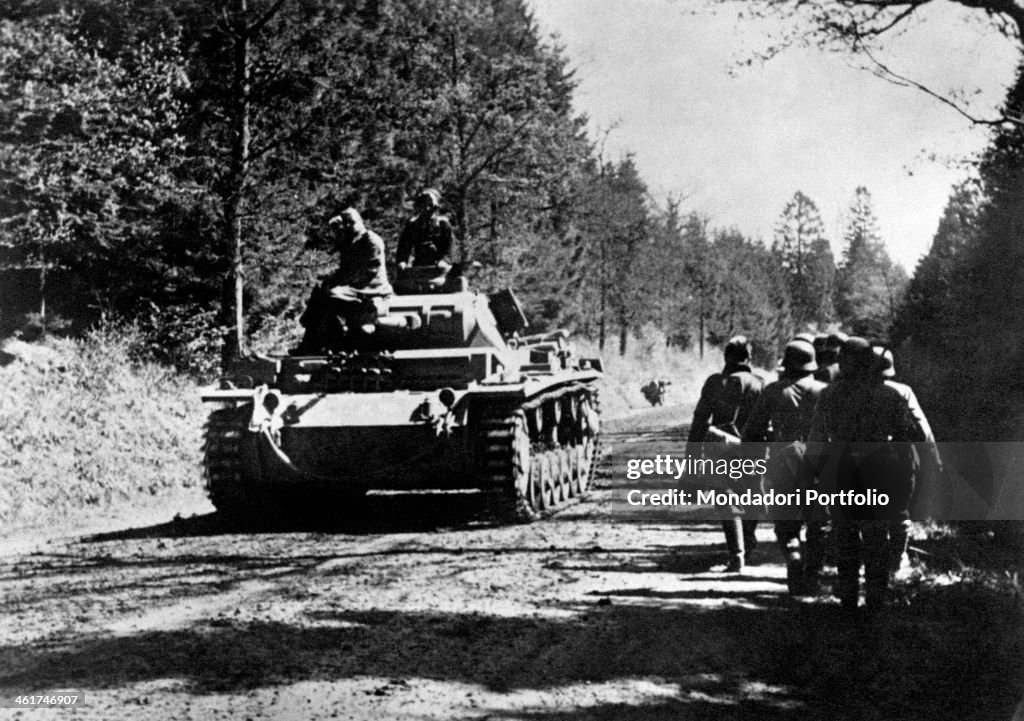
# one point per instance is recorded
(828, 357)
(928, 452)
(863, 430)
(427, 237)
(782, 416)
(726, 401)
(344, 300)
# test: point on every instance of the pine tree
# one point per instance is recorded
(89, 151)
(869, 287)
(807, 260)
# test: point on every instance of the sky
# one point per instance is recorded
(665, 80)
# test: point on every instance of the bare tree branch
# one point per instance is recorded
(881, 70)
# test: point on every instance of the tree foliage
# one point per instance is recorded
(88, 154)
(869, 287)
(807, 259)
(181, 158)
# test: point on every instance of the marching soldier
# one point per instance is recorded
(863, 430)
(931, 463)
(828, 356)
(783, 416)
(726, 401)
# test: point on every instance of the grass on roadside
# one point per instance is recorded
(84, 427)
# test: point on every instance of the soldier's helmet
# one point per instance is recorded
(857, 358)
(428, 198)
(737, 350)
(836, 339)
(885, 362)
(799, 356)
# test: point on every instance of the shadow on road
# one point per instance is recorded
(379, 513)
(732, 663)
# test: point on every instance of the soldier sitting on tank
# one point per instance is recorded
(427, 237)
(343, 307)
(424, 249)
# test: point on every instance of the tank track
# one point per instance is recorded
(541, 455)
(224, 464)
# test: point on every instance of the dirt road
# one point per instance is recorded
(423, 609)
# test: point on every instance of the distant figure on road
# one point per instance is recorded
(725, 404)
(655, 391)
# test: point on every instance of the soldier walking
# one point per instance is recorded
(726, 401)
(783, 415)
(927, 451)
(860, 441)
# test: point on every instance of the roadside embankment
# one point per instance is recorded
(84, 428)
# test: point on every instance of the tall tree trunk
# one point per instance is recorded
(623, 332)
(232, 291)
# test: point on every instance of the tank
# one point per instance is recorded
(444, 392)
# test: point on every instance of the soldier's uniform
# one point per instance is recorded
(427, 237)
(860, 439)
(783, 416)
(927, 450)
(344, 300)
(726, 401)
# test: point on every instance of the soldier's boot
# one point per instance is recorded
(749, 536)
(795, 572)
(899, 537)
(848, 547)
(735, 543)
(814, 557)
(877, 564)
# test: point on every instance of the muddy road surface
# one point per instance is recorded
(423, 609)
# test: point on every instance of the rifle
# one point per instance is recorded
(714, 433)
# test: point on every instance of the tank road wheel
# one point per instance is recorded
(585, 461)
(573, 454)
(547, 482)
(537, 483)
(556, 477)
(564, 475)
(526, 507)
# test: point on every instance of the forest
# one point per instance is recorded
(172, 165)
